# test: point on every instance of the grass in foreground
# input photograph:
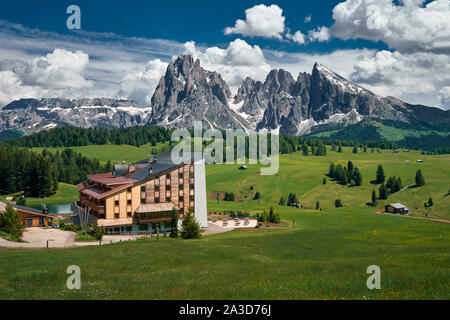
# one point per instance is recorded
(325, 256)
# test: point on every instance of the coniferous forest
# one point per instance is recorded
(38, 174)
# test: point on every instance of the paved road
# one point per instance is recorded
(36, 238)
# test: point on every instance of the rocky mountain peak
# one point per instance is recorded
(188, 93)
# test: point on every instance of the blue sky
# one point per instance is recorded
(392, 47)
(199, 20)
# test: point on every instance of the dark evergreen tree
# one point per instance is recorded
(383, 192)
(338, 203)
(357, 177)
(174, 224)
(420, 180)
(380, 174)
(374, 197)
(317, 205)
(282, 202)
(331, 171)
(190, 227)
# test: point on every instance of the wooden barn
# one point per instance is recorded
(30, 217)
(396, 208)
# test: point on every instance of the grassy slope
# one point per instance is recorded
(324, 257)
(115, 153)
(303, 175)
(66, 193)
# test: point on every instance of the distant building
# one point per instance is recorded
(140, 198)
(397, 208)
(30, 217)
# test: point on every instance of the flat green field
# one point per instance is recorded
(325, 256)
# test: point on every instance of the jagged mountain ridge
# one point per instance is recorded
(30, 114)
(188, 93)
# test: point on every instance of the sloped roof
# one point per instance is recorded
(398, 206)
(156, 207)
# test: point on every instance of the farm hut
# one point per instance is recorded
(396, 208)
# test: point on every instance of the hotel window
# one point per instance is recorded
(116, 203)
(191, 198)
(143, 189)
(142, 201)
(191, 186)
(129, 190)
(116, 216)
(168, 176)
(191, 174)
(156, 200)
(181, 187)
(156, 188)
(167, 200)
(181, 198)
(129, 214)
(129, 202)
(167, 188)
(180, 175)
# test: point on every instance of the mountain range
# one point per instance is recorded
(320, 101)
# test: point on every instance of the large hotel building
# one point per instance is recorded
(140, 197)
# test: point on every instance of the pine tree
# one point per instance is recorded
(332, 170)
(340, 149)
(383, 192)
(374, 197)
(317, 205)
(10, 222)
(174, 224)
(350, 170)
(282, 202)
(420, 180)
(324, 181)
(355, 149)
(430, 202)
(380, 174)
(338, 203)
(305, 150)
(357, 177)
(97, 232)
(190, 227)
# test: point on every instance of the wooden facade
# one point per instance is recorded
(118, 205)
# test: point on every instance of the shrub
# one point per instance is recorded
(174, 224)
(257, 195)
(338, 203)
(191, 229)
(96, 231)
(282, 202)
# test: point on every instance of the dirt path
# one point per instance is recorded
(415, 217)
(36, 238)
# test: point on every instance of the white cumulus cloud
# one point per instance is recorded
(297, 37)
(60, 74)
(322, 34)
(419, 77)
(238, 61)
(260, 21)
(141, 84)
(407, 27)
